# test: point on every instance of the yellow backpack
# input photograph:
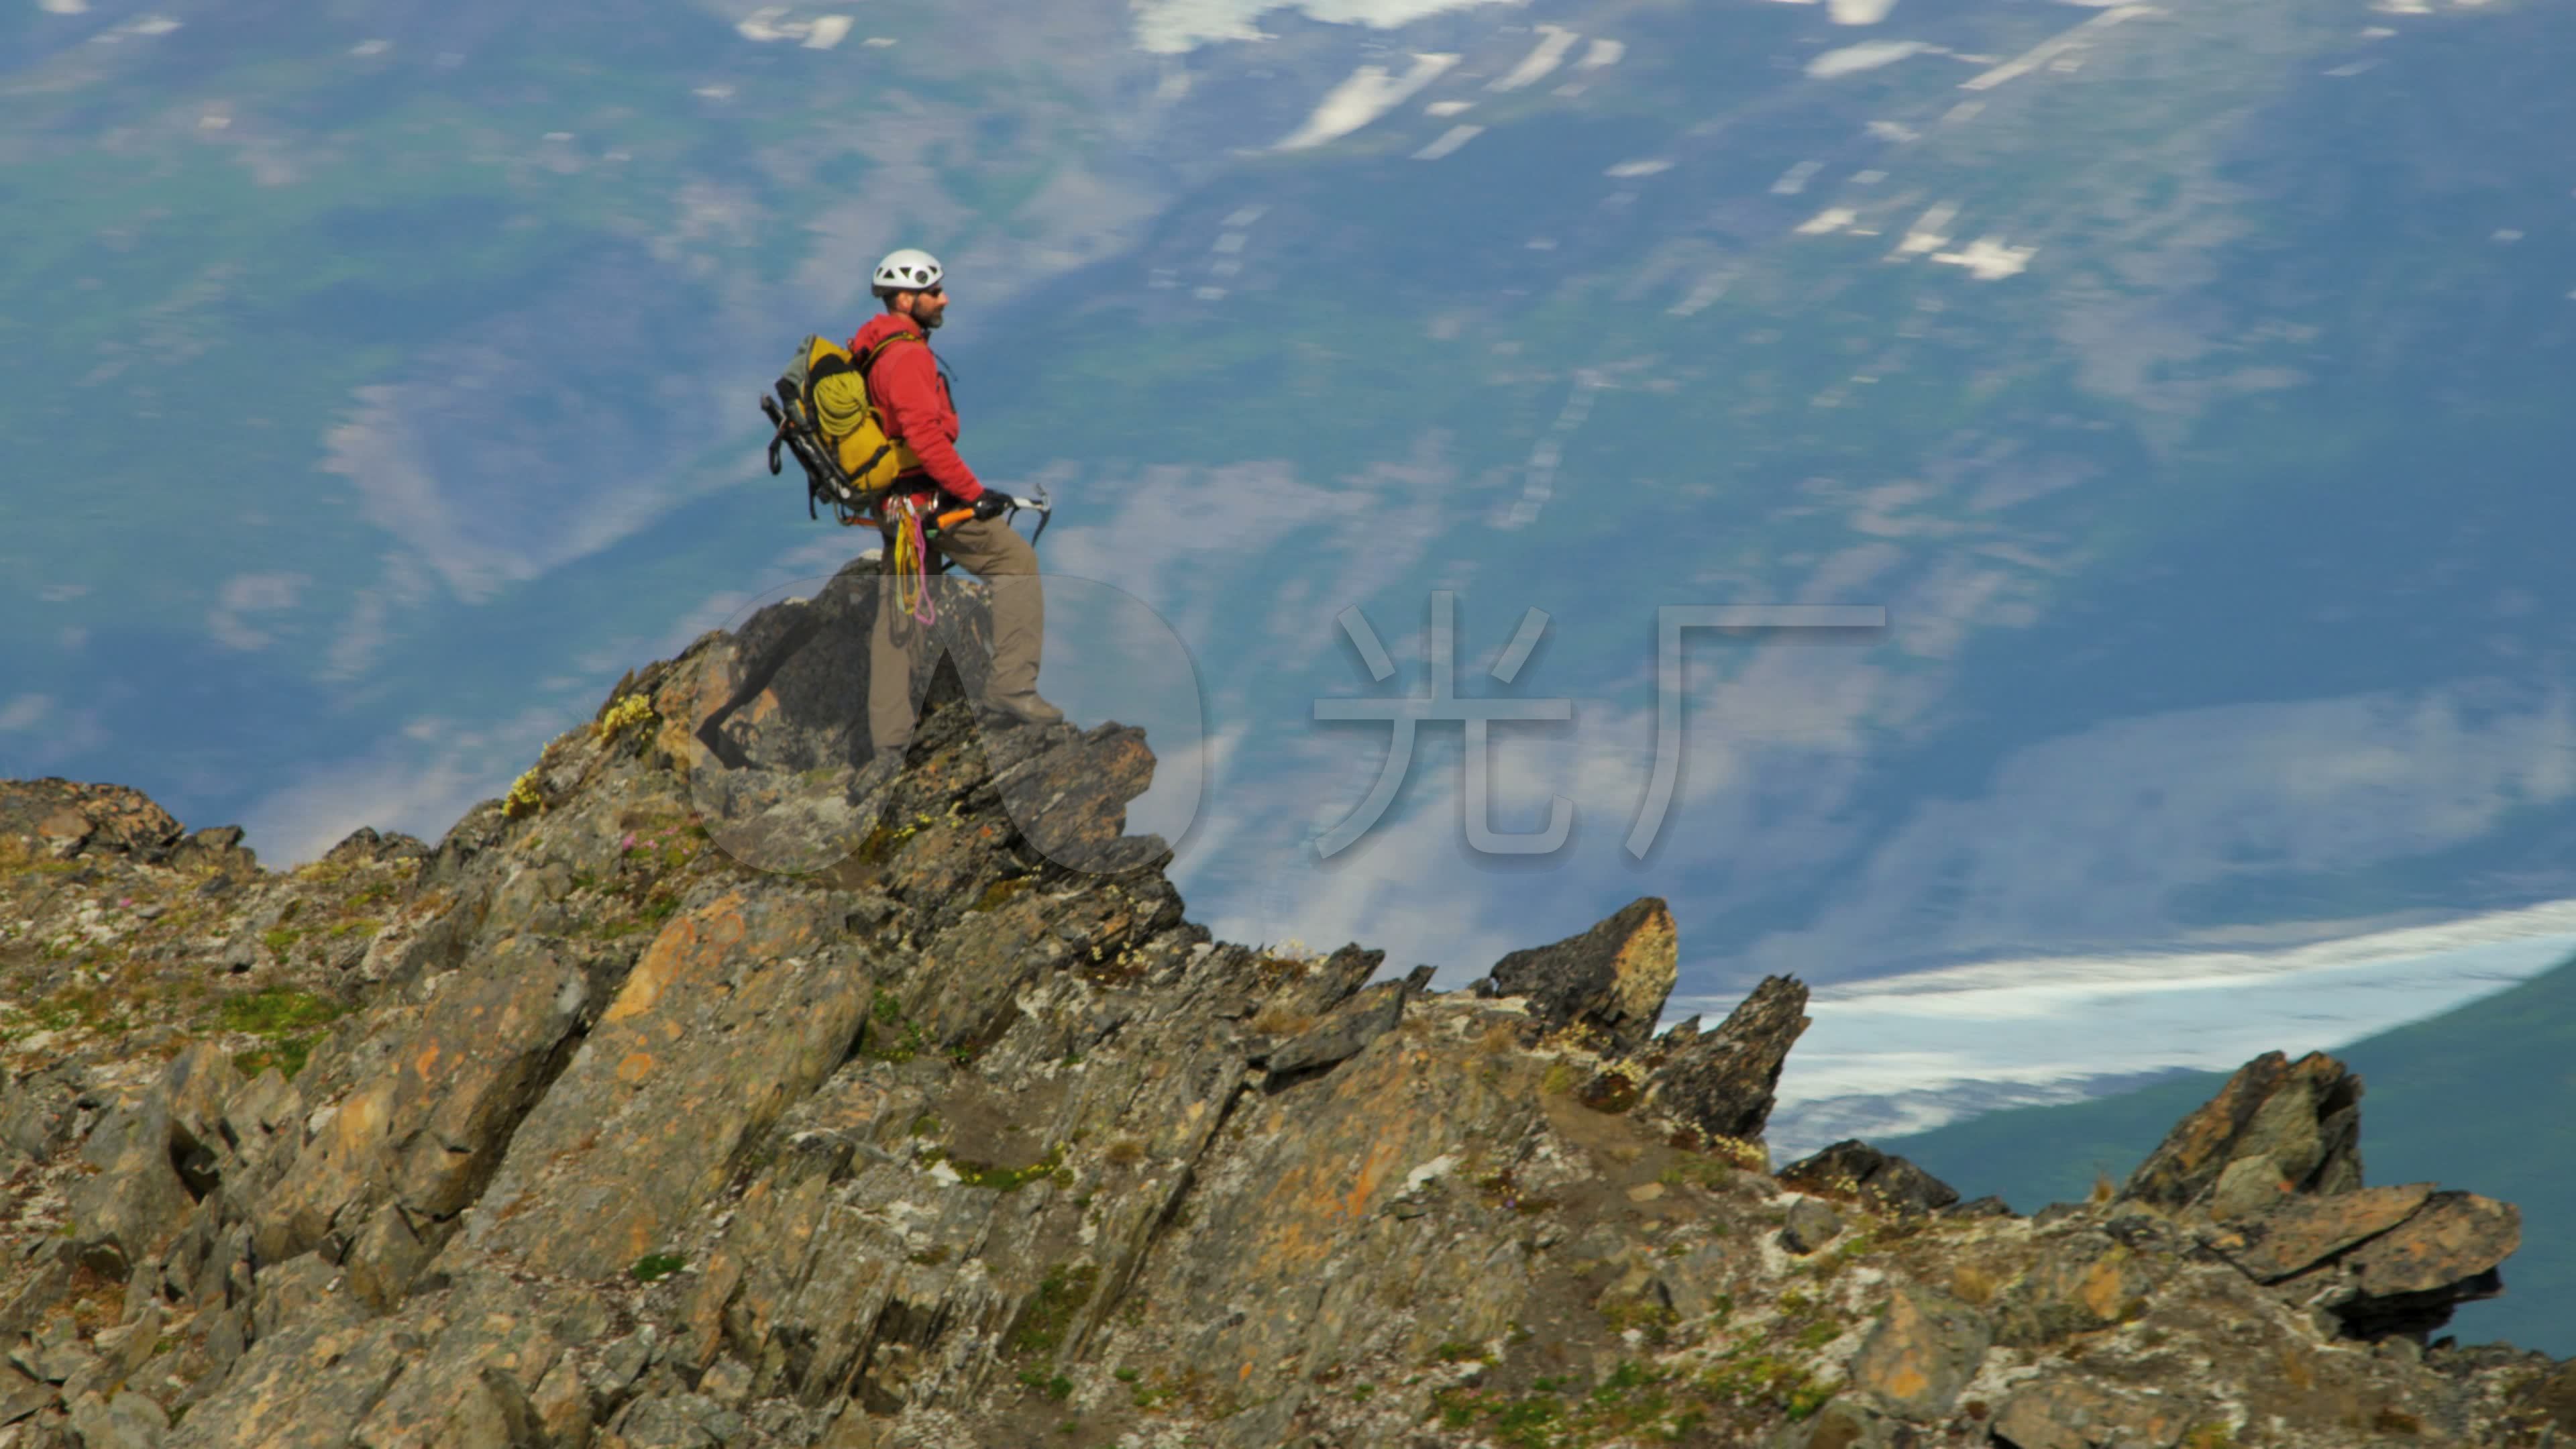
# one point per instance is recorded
(823, 416)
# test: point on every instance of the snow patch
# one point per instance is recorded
(1925, 235)
(1860, 12)
(1638, 168)
(2052, 48)
(1175, 27)
(1602, 52)
(1451, 140)
(770, 22)
(1987, 259)
(1369, 93)
(1831, 219)
(1554, 42)
(1868, 55)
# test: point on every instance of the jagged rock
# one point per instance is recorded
(428, 1098)
(1854, 1170)
(2082, 1282)
(368, 845)
(38, 1111)
(1847, 1424)
(1723, 1083)
(2408, 1279)
(22, 1394)
(2247, 1186)
(1811, 1225)
(2304, 1118)
(131, 1205)
(627, 1139)
(1989, 1206)
(66, 818)
(738, 1008)
(1612, 978)
(2297, 1234)
(2551, 1394)
(1342, 1033)
(1692, 1285)
(2066, 1412)
(1921, 1353)
(126, 1421)
(680, 1421)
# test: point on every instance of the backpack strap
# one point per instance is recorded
(869, 358)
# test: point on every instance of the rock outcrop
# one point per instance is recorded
(715, 1088)
(1611, 979)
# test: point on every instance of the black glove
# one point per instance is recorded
(990, 504)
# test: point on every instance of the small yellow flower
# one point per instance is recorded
(524, 799)
(634, 709)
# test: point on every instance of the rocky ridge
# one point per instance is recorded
(714, 1089)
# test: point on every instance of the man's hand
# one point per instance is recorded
(991, 504)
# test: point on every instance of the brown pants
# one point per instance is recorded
(990, 550)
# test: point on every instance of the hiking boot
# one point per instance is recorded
(1026, 709)
(888, 760)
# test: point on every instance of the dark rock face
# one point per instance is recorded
(718, 1089)
(2301, 1121)
(1724, 1082)
(1612, 978)
(1854, 1169)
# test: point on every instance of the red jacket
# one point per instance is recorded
(911, 397)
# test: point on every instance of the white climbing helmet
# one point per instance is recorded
(908, 270)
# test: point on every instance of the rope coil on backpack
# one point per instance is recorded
(912, 569)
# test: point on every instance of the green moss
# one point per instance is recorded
(1001, 1179)
(1648, 1315)
(1050, 1310)
(1632, 1403)
(284, 1016)
(653, 1267)
(1750, 1378)
(289, 1056)
(889, 1035)
(276, 1011)
(281, 940)
(356, 926)
(1000, 892)
(883, 842)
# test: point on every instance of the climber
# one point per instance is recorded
(910, 391)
